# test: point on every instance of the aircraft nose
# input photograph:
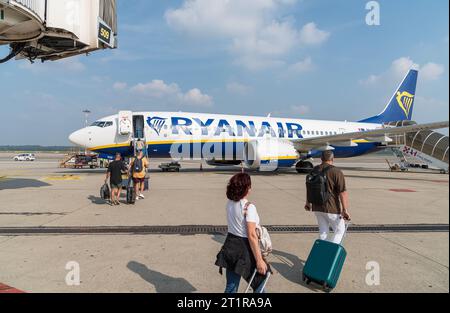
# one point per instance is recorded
(78, 138)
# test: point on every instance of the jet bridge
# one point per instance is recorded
(56, 29)
(428, 147)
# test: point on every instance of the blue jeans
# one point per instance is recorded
(233, 281)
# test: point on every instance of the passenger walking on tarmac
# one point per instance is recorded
(327, 197)
(241, 254)
(114, 174)
(139, 166)
(140, 146)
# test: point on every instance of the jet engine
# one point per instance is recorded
(269, 154)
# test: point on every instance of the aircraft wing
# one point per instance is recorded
(378, 135)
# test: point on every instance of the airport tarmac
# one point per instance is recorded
(51, 216)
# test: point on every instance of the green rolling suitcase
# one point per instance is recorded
(324, 264)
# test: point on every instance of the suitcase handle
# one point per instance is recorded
(263, 284)
(347, 225)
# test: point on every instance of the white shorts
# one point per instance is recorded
(333, 221)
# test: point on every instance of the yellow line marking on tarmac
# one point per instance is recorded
(62, 178)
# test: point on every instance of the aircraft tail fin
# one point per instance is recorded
(401, 106)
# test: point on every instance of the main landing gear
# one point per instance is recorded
(304, 167)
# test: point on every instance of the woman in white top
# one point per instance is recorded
(241, 253)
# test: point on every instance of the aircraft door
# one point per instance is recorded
(125, 123)
(138, 127)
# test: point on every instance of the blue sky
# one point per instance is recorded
(292, 58)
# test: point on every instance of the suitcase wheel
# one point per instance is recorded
(306, 279)
(326, 288)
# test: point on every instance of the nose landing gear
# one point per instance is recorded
(304, 167)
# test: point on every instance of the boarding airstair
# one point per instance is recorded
(139, 144)
(425, 148)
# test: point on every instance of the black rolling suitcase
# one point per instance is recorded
(105, 192)
(263, 284)
(131, 192)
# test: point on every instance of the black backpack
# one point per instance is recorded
(317, 186)
(137, 165)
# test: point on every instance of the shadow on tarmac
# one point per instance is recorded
(219, 238)
(97, 200)
(20, 183)
(289, 266)
(163, 283)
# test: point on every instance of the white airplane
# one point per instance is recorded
(262, 143)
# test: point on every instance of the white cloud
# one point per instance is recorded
(172, 92)
(432, 71)
(99, 79)
(156, 88)
(300, 109)
(434, 103)
(402, 65)
(253, 30)
(237, 88)
(120, 86)
(311, 35)
(197, 98)
(371, 80)
(293, 111)
(305, 65)
(399, 68)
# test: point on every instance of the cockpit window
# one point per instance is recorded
(102, 124)
(98, 124)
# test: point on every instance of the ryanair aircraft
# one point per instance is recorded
(262, 143)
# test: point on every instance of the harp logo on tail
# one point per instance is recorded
(405, 101)
(156, 123)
